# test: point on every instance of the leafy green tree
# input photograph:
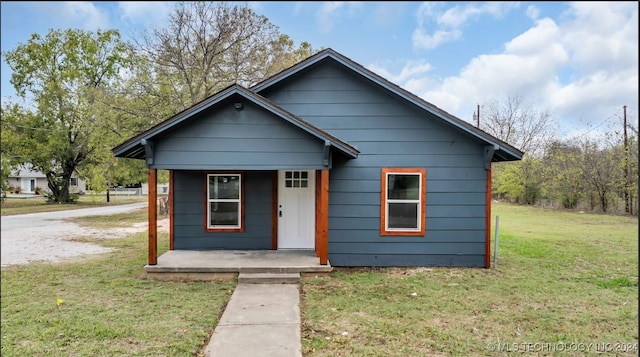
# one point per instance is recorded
(5, 170)
(529, 130)
(519, 182)
(127, 108)
(58, 129)
(207, 46)
(563, 173)
(203, 48)
(602, 173)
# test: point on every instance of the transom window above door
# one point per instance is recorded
(296, 179)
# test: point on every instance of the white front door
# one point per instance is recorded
(296, 209)
(28, 185)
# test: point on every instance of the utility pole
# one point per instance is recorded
(478, 116)
(627, 198)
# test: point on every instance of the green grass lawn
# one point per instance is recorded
(564, 280)
(106, 307)
(12, 206)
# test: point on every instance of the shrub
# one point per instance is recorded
(51, 198)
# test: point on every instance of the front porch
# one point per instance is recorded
(213, 265)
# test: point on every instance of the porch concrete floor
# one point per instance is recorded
(216, 264)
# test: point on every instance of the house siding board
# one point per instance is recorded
(453, 185)
(433, 211)
(391, 248)
(389, 132)
(249, 139)
(435, 198)
(238, 161)
(434, 236)
(439, 173)
(440, 223)
(189, 214)
(407, 260)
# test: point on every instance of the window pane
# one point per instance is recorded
(304, 174)
(224, 213)
(287, 174)
(403, 187)
(288, 183)
(296, 174)
(403, 215)
(224, 187)
(303, 183)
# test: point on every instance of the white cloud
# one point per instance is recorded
(458, 15)
(581, 67)
(533, 12)
(332, 12)
(450, 21)
(84, 14)
(602, 35)
(411, 69)
(329, 14)
(145, 12)
(423, 40)
(527, 64)
(594, 97)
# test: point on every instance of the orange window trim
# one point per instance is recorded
(206, 203)
(383, 202)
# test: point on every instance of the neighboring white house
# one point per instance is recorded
(28, 180)
(163, 188)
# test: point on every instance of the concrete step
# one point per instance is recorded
(268, 278)
(283, 269)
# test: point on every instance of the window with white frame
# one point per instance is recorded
(224, 202)
(73, 181)
(403, 202)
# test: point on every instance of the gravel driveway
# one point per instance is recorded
(46, 237)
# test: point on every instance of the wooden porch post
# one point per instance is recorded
(170, 210)
(322, 216)
(318, 212)
(153, 217)
(487, 258)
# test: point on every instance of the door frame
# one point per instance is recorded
(309, 241)
(322, 214)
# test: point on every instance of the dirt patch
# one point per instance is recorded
(121, 232)
(61, 241)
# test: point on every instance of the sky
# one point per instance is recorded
(577, 61)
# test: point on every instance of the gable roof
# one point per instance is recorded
(24, 171)
(503, 151)
(134, 147)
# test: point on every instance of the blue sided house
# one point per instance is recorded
(328, 157)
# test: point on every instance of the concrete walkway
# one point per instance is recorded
(259, 320)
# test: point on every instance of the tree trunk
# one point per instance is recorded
(59, 187)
